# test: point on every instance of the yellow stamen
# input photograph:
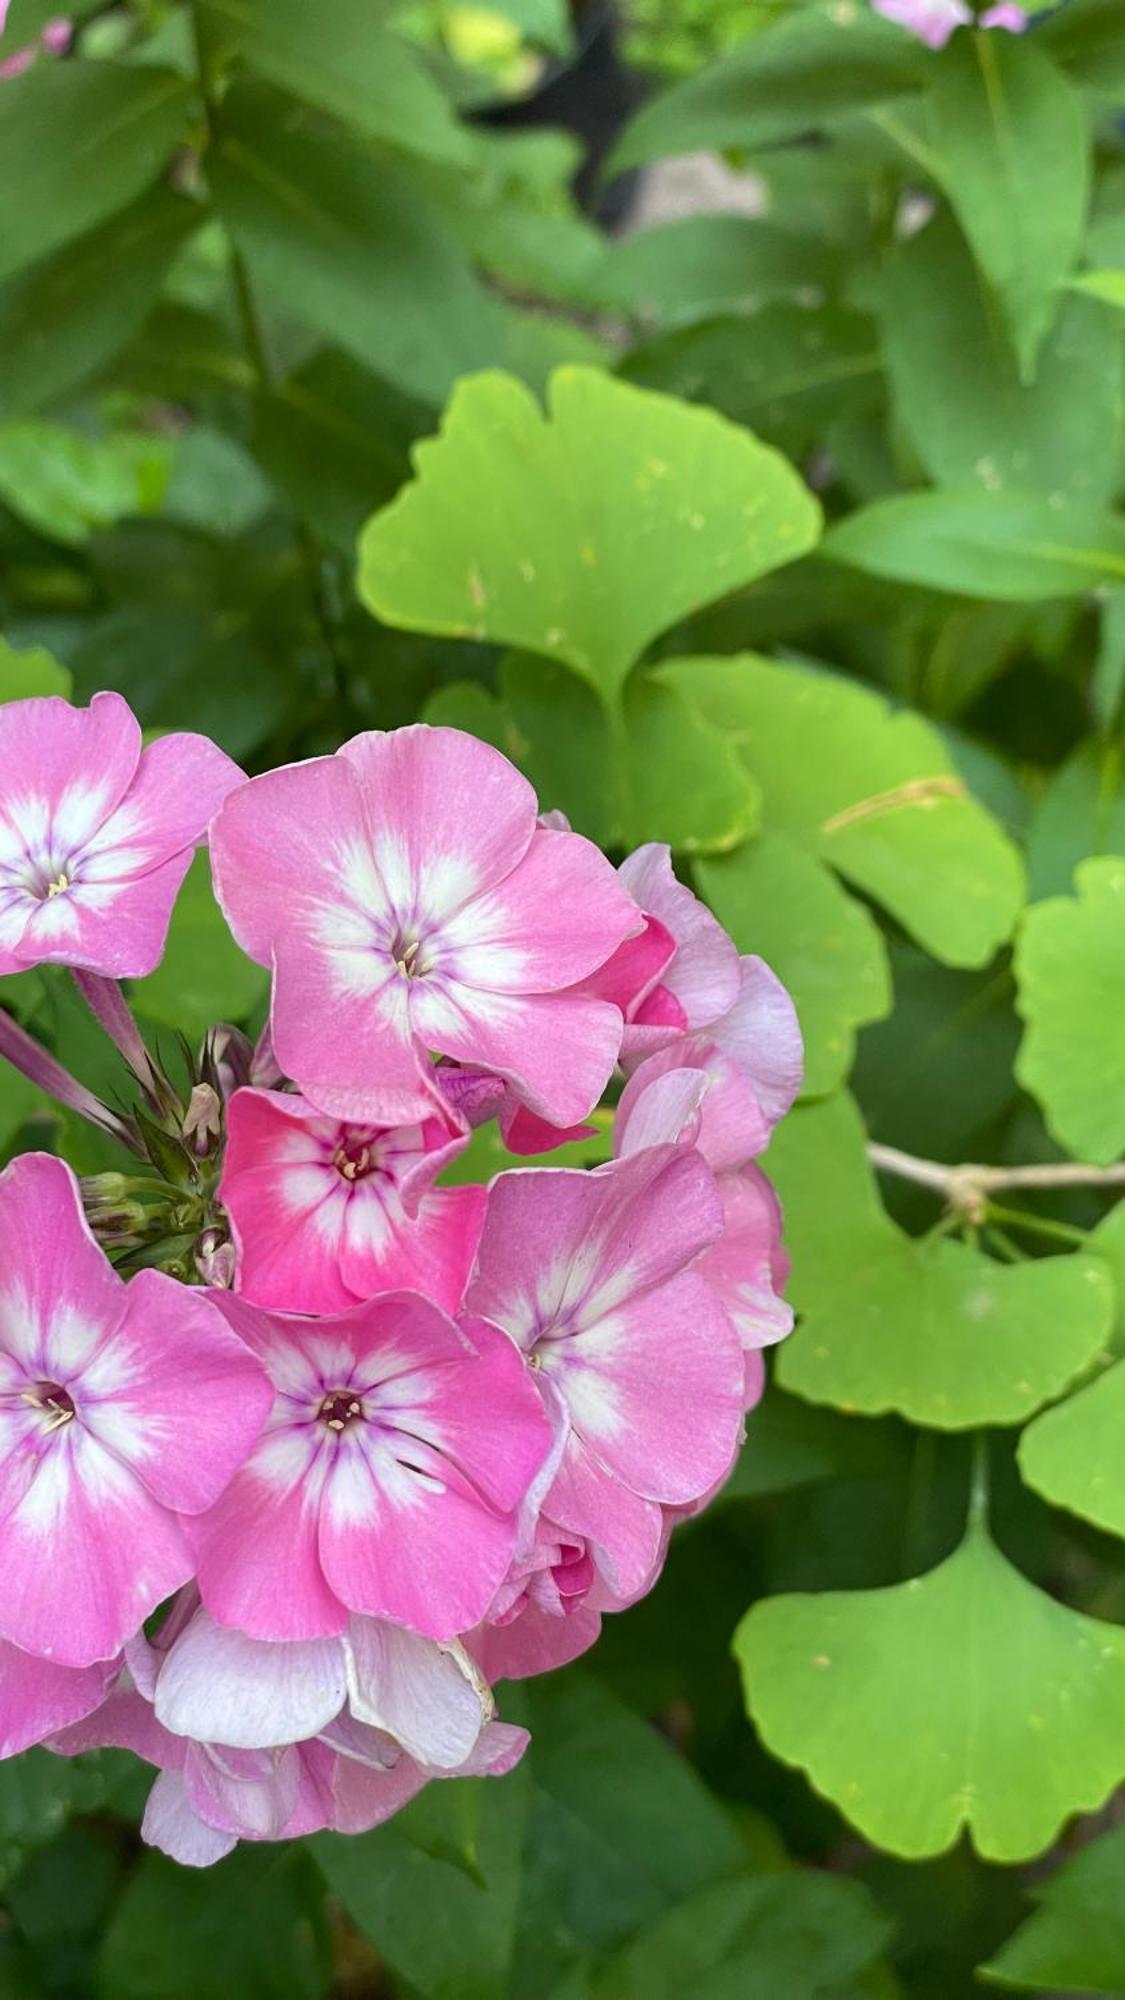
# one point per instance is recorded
(56, 888)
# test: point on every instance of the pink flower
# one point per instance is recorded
(723, 1091)
(410, 906)
(386, 1481)
(260, 1741)
(679, 974)
(590, 1275)
(55, 37)
(122, 1409)
(934, 21)
(96, 834)
(326, 1214)
(38, 1697)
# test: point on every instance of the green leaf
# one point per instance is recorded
(787, 1936)
(1070, 970)
(962, 1698)
(68, 486)
(34, 672)
(1107, 689)
(335, 440)
(1074, 1941)
(1072, 1454)
(203, 977)
(815, 66)
(779, 901)
(1008, 139)
(1084, 37)
(60, 322)
(112, 129)
(872, 791)
(958, 392)
(341, 58)
(1106, 286)
(254, 1920)
(926, 1327)
(215, 485)
(347, 243)
(1017, 546)
(448, 1938)
(688, 269)
(584, 533)
(787, 370)
(1081, 812)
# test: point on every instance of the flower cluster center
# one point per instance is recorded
(409, 957)
(340, 1410)
(354, 1159)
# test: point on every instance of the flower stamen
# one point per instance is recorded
(340, 1409)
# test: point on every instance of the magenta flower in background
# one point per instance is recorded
(325, 1214)
(410, 906)
(590, 1275)
(96, 833)
(386, 1480)
(934, 21)
(55, 37)
(122, 1409)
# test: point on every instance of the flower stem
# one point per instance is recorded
(32, 1060)
(111, 1011)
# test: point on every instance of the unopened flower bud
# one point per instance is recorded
(227, 1057)
(214, 1260)
(203, 1125)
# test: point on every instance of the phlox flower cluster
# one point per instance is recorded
(279, 1530)
(934, 21)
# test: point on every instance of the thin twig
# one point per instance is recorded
(966, 1188)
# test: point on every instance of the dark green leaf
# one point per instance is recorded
(1075, 1938)
(1018, 546)
(251, 1926)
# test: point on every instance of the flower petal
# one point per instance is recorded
(430, 1698)
(38, 1697)
(557, 917)
(219, 1686)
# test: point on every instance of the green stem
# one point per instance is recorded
(1037, 1225)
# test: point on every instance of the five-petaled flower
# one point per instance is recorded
(410, 905)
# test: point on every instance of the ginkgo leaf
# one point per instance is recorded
(872, 791)
(584, 532)
(1072, 1454)
(964, 1698)
(930, 1328)
(1070, 971)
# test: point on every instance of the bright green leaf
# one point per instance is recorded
(1009, 545)
(30, 672)
(1070, 969)
(584, 533)
(1008, 137)
(962, 1698)
(68, 486)
(927, 1327)
(872, 791)
(203, 976)
(1106, 286)
(112, 129)
(1074, 1941)
(779, 901)
(1072, 1454)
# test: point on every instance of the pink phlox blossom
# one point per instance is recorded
(96, 833)
(124, 1410)
(38, 1697)
(410, 906)
(324, 1214)
(55, 37)
(934, 21)
(680, 973)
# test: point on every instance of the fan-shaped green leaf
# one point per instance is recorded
(1070, 969)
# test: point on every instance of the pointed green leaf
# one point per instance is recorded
(1072, 1454)
(1014, 546)
(68, 485)
(1070, 971)
(340, 57)
(779, 901)
(818, 65)
(930, 1328)
(871, 790)
(1007, 135)
(1074, 1941)
(30, 671)
(1106, 286)
(583, 533)
(963, 1698)
(1081, 812)
(112, 128)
